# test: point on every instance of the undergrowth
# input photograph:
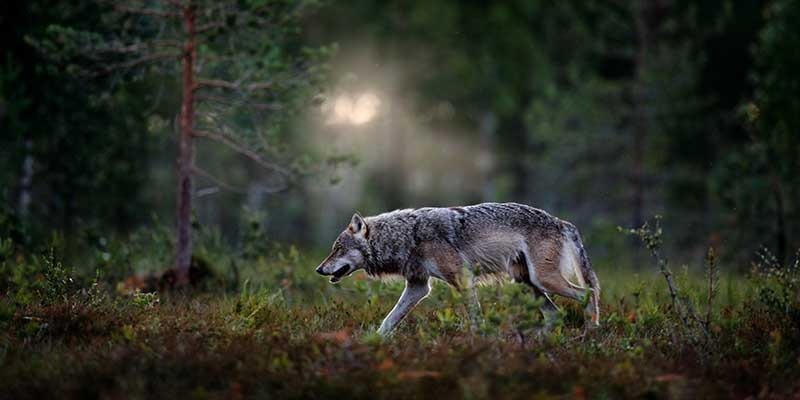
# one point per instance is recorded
(283, 332)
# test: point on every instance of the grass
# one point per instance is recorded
(287, 333)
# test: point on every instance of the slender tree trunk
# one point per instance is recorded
(26, 180)
(780, 234)
(640, 125)
(639, 113)
(183, 249)
(488, 128)
(519, 154)
(392, 187)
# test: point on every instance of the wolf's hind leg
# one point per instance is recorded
(548, 309)
(564, 288)
(414, 292)
(551, 280)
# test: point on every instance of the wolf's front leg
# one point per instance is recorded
(413, 293)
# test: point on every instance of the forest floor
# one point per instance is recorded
(287, 333)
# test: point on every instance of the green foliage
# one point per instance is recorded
(58, 283)
(554, 90)
(779, 286)
(650, 236)
(295, 348)
(712, 290)
(146, 301)
(290, 333)
(684, 305)
(759, 181)
(254, 238)
(82, 162)
(558, 124)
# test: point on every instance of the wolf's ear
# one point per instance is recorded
(358, 226)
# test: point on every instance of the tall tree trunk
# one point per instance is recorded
(183, 246)
(518, 151)
(26, 180)
(395, 176)
(639, 112)
(488, 128)
(780, 234)
(644, 39)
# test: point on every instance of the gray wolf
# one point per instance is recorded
(524, 243)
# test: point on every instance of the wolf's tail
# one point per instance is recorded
(588, 273)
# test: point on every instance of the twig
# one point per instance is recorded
(652, 240)
(667, 273)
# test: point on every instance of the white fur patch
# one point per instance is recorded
(570, 266)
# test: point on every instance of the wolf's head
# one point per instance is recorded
(349, 252)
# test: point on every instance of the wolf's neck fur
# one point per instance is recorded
(391, 241)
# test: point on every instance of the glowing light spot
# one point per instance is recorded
(347, 111)
(365, 109)
(342, 108)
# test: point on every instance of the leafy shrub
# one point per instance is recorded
(778, 307)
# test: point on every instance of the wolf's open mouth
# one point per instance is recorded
(339, 273)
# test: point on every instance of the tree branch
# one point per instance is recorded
(176, 3)
(231, 188)
(136, 47)
(209, 26)
(218, 83)
(134, 63)
(245, 103)
(233, 145)
(201, 172)
(147, 11)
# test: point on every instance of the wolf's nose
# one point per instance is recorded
(319, 270)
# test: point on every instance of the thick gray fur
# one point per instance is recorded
(494, 239)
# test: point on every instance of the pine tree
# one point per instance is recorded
(242, 70)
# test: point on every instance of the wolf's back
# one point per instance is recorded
(509, 215)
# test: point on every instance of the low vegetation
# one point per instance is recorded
(284, 332)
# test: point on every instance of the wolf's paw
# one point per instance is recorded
(372, 337)
(384, 331)
(543, 332)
